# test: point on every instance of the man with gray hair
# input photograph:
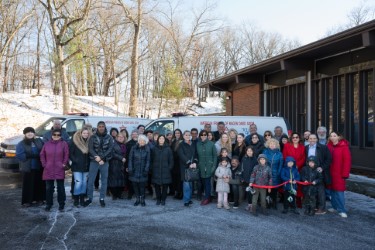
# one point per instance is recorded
(322, 135)
(56, 125)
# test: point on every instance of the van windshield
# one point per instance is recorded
(47, 125)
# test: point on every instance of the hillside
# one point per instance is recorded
(19, 110)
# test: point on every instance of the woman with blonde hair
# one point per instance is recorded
(224, 142)
(79, 155)
(275, 160)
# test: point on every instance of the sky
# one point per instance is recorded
(306, 20)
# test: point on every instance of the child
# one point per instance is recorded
(223, 153)
(261, 175)
(310, 174)
(248, 163)
(223, 174)
(290, 173)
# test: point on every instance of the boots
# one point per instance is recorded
(158, 201)
(143, 203)
(264, 211)
(76, 200)
(82, 200)
(254, 210)
(137, 201)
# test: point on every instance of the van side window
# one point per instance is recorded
(46, 126)
(162, 126)
(73, 125)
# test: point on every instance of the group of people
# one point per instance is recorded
(231, 167)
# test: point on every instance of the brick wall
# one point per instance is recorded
(246, 101)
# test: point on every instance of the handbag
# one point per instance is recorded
(191, 174)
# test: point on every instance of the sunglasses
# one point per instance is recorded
(267, 135)
(56, 135)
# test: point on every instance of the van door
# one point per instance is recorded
(72, 125)
(162, 126)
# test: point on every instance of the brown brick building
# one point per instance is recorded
(328, 83)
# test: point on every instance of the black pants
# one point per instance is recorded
(235, 193)
(50, 189)
(273, 195)
(33, 187)
(287, 203)
(97, 180)
(249, 196)
(309, 202)
(161, 192)
(321, 198)
(116, 191)
(139, 188)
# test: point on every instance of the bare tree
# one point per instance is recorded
(67, 23)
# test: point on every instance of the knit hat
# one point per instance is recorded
(262, 156)
(100, 123)
(28, 130)
(312, 158)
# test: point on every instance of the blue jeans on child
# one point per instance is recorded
(80, 182)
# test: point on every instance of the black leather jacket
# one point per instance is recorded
(101, 145)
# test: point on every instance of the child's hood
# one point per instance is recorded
(288, 159)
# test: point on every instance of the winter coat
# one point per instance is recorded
(162, 164)
(139, 163)
(176, 165)
(340, 165)
(288, 174)
(247, 164)
(261, 175)
(221, 185)
(258, 148)
(207, 158)
(101, 145)
(236, 175)
(324, 158)
(116, 167)
(80, 160)
(239, 151)
(29, 156)
(248, 140)
(54, 155)
(297, 153)
(129, 146)
(275, 160)
(187, 154)
(311, 174)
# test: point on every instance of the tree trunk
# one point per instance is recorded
(134, 74)
(64, 80)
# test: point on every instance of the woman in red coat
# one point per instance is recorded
(296, 149)
(339, 169)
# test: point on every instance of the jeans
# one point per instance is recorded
(50, 189)
(80, 182)
(94, 168)
(321, 200)
(187, 187)
(338, 201)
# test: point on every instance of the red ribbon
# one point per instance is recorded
(282, 184)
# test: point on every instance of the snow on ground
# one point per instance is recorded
(19, 110)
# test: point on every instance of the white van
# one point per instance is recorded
(239, 123)
(71, 123)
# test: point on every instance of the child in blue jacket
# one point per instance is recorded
(290, 174)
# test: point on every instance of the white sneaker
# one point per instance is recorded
(343, 215)
(332, 210)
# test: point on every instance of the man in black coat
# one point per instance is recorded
(323, 158)
(220, 130)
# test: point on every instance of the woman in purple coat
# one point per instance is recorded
(54, 157)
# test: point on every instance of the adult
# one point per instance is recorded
(150, 138)
(235, 182)
(253, 130)
(188, 159)
(323, 158)
(340, 170)
(296, 149)
(116, 168)
(194, 134)
(113, 132)
(275, 159)
(54, 157)
(169, 137)
(27, 152)
(224, 142)
(125, 132)
(278, 132)
(210, 136)
(240, 146)
(79, 156)
(247, 164)
(256, 144)
(207, 127)
(138, 168)
(267, 135)
(131, 143)
(233, 136)
(141, 129)
(176, 173)
(321, 132)
(207, 163)
(56, 126)
(220, 130)
(283, 140)
(100, 151)
(162, 164)
(306, 135)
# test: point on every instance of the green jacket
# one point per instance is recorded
(207, 158)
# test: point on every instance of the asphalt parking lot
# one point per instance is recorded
(120, 225)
